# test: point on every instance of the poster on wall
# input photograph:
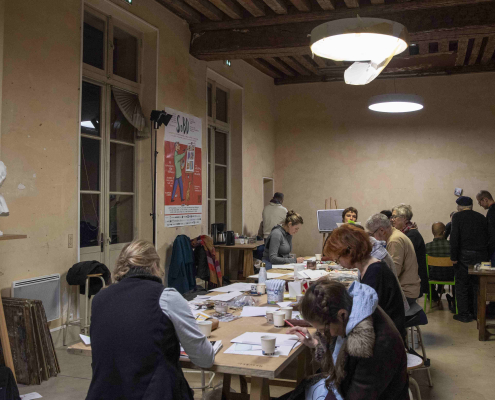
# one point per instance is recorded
(183, 184)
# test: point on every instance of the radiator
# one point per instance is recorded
(44, 288)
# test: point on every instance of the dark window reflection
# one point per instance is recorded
(89, 227)
(120, 128)
(125, 47)
(121, 168)
(90, 164)
(93, 41)
(121, 218)
(90, 109)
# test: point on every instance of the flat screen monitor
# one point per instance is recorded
(328, 219)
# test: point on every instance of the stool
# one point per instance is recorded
(414, 362)
(84, 327)
(414, 318)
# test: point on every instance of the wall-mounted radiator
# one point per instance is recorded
(44, 288)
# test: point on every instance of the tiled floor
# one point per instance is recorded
(461, 366)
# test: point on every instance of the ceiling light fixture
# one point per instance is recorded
(396, 103)
(371, 42)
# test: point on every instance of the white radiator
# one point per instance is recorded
(44, 288)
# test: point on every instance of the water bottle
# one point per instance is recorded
(262, 274)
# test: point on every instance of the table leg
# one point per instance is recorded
(301, 367)
(243, 383)
(260, 390)
(482, 308)
(226, 386)
(248, 263)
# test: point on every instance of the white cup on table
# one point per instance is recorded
(299, 298)
(268, 345)
(261, 288)
(279, 319)
(269, 316)
(287, 311)
(205, 327)
(318, 257)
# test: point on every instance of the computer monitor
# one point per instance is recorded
(328, 219)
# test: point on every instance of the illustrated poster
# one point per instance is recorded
(183, 184)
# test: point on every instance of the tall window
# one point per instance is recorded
(110, 87)
(218, 154)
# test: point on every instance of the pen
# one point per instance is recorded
(302, 333)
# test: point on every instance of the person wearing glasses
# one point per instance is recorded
(402, 252)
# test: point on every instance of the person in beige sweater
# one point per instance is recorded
(401, 249)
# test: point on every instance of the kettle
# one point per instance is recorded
(230, 238)
(220, 237)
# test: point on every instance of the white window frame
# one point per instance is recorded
(223, 127)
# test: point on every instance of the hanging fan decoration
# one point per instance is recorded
(131, 108)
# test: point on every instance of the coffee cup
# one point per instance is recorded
(205, 327)
(269, 317)
(279, 319)
(318, 257)
(299, 298)
(261, 288)
(268, 345)
(254, 288)
(287, 311)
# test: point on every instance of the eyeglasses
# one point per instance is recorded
(373, 234)
(394, 216)
(336, 261)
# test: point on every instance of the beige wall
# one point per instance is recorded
(330, 144)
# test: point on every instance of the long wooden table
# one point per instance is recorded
(486, 292)
(247, 256)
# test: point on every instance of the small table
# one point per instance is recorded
(247, 250)
(486, 292)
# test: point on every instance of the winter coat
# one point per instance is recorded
(181, 272)
(78, 273)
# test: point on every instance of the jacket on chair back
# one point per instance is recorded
(134, 344)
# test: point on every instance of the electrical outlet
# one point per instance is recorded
(71, 317)
(71, 241)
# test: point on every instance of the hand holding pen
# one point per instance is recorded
(303, 334)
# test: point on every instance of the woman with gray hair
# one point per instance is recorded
(401, 220)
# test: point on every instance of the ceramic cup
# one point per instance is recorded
(318, 257)
(278, 319)
(205, 328)
(254, 288)
(268, 345)
(287, 311)
(221, 307)
(241, 241)
(261, 288)
(299, 298)
(269, 317)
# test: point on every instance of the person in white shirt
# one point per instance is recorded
(273, 214)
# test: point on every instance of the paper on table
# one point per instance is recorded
(284, 303)
(30, 396)
(311, 259)
(248, 311)
(285, 266)
(315, 274)
(269, 275)
(255, 350)
(238, 286)
(295, 289)
(255, 338)
(225, 296)
(85, 339)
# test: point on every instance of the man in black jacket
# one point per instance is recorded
(468, 246)
(485, 200)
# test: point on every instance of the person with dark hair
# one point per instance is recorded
(448, 227)
(273, 214)
(351, 247)
(361, 354)
(279, 244)
(485, 200)
(350, 214)
(387, 213)
(468, 246)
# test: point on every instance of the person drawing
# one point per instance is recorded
(178, 172)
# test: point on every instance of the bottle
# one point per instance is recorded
(262, 274)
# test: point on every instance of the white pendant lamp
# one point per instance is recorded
(396, 103)
(373, 41)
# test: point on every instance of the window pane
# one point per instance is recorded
(220, 148)
(208, 182)
(120, 128)
(220, 183)
(89, 227)
(125, 54)
(93, 41)
(121, 218)
(220, 212)
(90, 109)
(121, 168)
(90, 164)
(209, 145)
(221, 105)
(210, 114)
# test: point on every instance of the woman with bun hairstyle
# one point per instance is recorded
(279, 243)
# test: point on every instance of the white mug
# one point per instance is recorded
(254, 288)
(205, 327)
(287, 311)
(318, 257)
(261, 288)
(279, 319)
(268, 345)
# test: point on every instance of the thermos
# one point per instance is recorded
(230, 238)
(262, 274)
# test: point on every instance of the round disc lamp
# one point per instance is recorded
(359, 39)
(396, 103)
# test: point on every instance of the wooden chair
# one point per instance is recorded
(442, 262)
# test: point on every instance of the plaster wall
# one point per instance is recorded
(330, 144)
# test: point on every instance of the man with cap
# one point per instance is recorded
(468, 246)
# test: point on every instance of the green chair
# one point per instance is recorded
(438, 262)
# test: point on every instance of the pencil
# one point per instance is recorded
(301, 332)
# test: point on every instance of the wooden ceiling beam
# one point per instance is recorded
(387, 11)
(489, 50)
(278, 6)
(233, 10)
(259, 65)
(306, 64)
(475, 50)
(182, 10)
(352, 3)
(255, 7)
(278, 65)
(206, 8)
(443, 46)
(326, 5)
(461, 52)
(295, 65)
(302, 5)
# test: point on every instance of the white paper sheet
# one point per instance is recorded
(255, 350)
(238, 286)
(255, 338)
(295, 289)
(29, 396)
(312, 274)
(284, 303)
(86, 339)
(285, 266)
(226, 296)
(248, 311)
(269, 275)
